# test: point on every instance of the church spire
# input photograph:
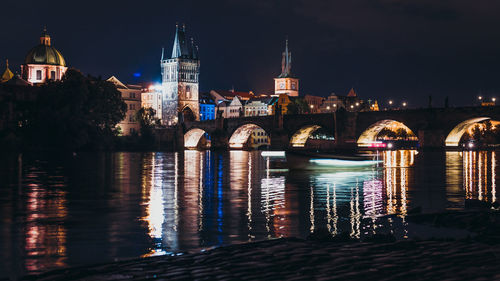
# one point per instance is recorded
(286, 62)
(180, 48)
(7, 75)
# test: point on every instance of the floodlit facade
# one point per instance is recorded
(131, 95)
(43, 63)
(314, 103)
(152, 98)
(256, 108)
(258, 138)
(180, 76)
(207, 107)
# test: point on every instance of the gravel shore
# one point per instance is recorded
(325, 258)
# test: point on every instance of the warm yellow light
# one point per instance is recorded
(390, 102)
(328, 107)
(404, 103)
(357, 104)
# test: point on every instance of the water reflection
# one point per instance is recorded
(100, 207)
(479, 169)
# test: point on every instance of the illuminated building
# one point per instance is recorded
(331, 104)
(180, 76)
(207, 107)
(260, 106)
(314, 103)
(43, 62)
(285, 83)
(230, 109)
(283, 102)
(131, 95)
(7, 75)
(259, 138)
(151, 98)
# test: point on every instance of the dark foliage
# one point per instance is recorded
(75, 113)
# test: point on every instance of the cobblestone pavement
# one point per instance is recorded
(314, 259)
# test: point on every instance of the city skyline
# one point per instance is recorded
(385, 50)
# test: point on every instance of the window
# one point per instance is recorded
(132, 95)
(53, 75)
(38, 75)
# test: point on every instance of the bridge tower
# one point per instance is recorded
(286, 83)
(180, 76)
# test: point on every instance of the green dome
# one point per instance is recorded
(44, 54)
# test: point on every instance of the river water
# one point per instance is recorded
(69, 210)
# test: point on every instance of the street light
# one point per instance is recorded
(494, 99)
(480, 97)
(328, 108)
(404, 104)
(390, 102)
(357, 104)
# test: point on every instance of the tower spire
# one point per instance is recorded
(162, 52)
(176, 50)
(286, 62)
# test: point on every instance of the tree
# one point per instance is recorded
(75, 113)
(147, 120)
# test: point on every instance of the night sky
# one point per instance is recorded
(383, 48)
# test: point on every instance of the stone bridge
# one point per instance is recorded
(434, 127)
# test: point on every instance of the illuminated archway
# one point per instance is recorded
(192, 138)
(369, 136)
(300, 137)
(241, 135)
(453, 138)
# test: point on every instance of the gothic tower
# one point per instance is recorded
(180, 76)
(285, 83)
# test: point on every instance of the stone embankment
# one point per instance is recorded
(322, 258)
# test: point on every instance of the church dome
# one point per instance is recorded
(44, 53)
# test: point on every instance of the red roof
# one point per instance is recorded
(352, 93)
(231, 94)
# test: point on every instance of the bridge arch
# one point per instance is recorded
(455, 135)
(192, 138)
(370, 134)
(300, 137)
(240, 136)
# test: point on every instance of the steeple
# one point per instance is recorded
(180, 49)
(286, 62)
(7, 75)
(162, 53)
(45, 38)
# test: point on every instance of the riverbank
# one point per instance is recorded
(322, 257)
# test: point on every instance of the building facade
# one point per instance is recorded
(131, 95)
(207, 107)
(285, 83)
(43, 62)
(151, 97)
(180, 81)
(256, 107)
(258, 138)
(314, 103)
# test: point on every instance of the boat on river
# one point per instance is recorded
(313, 161)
